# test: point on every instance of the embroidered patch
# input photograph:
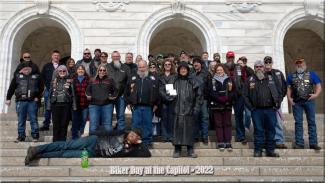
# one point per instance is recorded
(251, 85)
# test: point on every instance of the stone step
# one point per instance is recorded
(290, 129)
(178, 178)
(212, 161)
(212, 140)
(156, 145)
(7, 153)
(290, 122)
(94, 171)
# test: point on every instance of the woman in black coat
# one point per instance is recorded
(167, 79)
(186, 104)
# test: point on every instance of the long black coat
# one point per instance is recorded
(186, 104)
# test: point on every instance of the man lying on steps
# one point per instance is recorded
(99, 144)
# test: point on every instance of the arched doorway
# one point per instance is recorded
(43, 41)
(23, 24)
(188, 22)
(306, 39)
(40, 37)
(176, 35)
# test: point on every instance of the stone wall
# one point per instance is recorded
(128, 26)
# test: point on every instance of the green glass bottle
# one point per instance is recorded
(84, 158)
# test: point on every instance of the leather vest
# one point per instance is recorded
(302, 87)
(27, 86)
(253, 92)
(61, 91)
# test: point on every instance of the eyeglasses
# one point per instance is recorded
(64, 71)
(259, 66)
(86, 53)
(26, 57)
(102, 70)
(267, 62)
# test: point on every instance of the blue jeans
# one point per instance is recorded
(247, 117)
(239, 113)
(29, 108)
(68, 149)
(47, 113)
(202, 121)
(142, 119)
(100, 113)
(79, 118)
(120, 106)
(264, 121)
(279, 137)
(298, 109)
(167, 121)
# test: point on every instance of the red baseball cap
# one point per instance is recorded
(230, 54)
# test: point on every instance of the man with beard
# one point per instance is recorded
(101, 143)
(282, 88)
(262, 98)
(142, 97)
(88, 63)
(304, 87)
(119, 73)
(129, 62)
(238, 75)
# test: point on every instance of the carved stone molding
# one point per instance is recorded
(43, 6)
(244, 7)
(178, 7)
(111, 5)
(312, 6)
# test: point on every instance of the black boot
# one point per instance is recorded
(31, 154)
(177, 151)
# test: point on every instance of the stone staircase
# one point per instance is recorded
(212, 165)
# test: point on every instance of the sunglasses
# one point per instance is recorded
(267, 62)
(102, 70)
(64, 71)
(86, 53)
(26, 57)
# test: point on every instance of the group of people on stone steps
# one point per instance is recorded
(187, 94)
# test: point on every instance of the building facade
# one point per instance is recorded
(255, 29)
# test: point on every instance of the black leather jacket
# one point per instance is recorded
(113, 144)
